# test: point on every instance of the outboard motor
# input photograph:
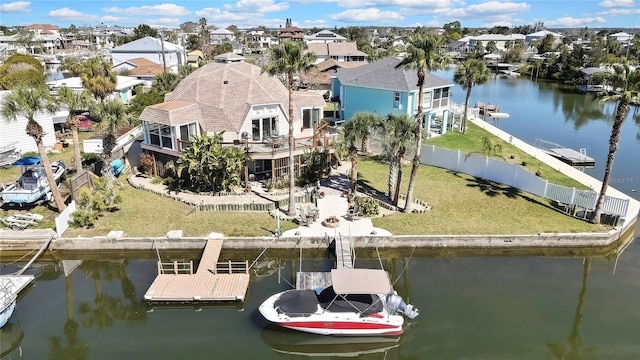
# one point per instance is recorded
(395, 303)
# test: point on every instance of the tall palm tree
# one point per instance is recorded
(399, 131)
(98, 77)
(113, 116)
(75, 102)
(347, 142)
(289, 59)
(366, 124)
(165, 82)
(28, 102)
(628, 84)
(470, 73)
(423, 55)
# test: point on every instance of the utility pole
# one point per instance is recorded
(164, 60)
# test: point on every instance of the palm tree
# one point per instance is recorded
(75, 102)
(98, 78)
(470, 73)
(113, 116)
(423, 55)
(399, 131)
(628, 83)
(28, 102)
(290, 59)
(348, 138)
(366, 124)
(203, 25)
(165, 82)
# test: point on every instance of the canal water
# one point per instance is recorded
(542, 304)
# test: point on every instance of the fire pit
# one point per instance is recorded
(331, 222)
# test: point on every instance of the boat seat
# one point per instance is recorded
(30, 183)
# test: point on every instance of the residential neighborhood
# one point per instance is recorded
(314, 186)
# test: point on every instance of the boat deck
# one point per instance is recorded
(10, 286)
(213, 281)
(566, 155)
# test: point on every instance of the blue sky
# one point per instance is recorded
(325, 13)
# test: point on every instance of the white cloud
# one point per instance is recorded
(159, 10)
(569, 21)
(215, 15)
(66, 14)
(491, 8)
(16, 7)
(617, 3)
(621, 12)
(261, 6)
(370, 15)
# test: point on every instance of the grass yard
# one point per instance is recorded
(143, 213)
(472, 142)
(462, 205)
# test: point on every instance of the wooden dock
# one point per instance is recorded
(214, 281)
(313, 280)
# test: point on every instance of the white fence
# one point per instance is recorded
(62, 220)
(517, 177)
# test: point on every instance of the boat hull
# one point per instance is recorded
(323, 322)
(20, 195)
(6, 313)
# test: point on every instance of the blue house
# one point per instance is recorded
(380, 88)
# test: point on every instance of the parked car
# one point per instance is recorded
(84, 124)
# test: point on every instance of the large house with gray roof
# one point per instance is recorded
(251, 109)
(380, 88)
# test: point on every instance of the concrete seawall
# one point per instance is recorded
(543, 240)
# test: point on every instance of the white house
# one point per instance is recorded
(539, 35)
(218, 36)
(12, 132)
(125, 86)
(621, 37)
(153, 49)
(324, 36)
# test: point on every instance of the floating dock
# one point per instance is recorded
(566, 155)
(214, 281)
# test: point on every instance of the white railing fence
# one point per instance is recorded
(516, 176)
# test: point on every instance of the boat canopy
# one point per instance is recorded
(27, 161)
(360, 281)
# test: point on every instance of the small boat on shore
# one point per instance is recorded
(32, 186)
(359, 302)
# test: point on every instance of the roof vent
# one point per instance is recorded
(225, 82)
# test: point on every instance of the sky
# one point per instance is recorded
(324, 13)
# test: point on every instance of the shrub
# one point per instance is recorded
(368, 206)
(146, 163)
(92, 202)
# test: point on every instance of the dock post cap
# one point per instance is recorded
(196, 298)
(148, 297)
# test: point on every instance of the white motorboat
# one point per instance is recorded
(359, 302)
(32, 186)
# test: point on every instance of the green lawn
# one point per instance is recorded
(461, 204)
(143, 213)
(472, 142)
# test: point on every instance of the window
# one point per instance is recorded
(310, 118)
(160, 135)
(263, 129)
(426, 100)
(396, 100)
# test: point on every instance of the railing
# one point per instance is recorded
(232, 267)
(175, 267)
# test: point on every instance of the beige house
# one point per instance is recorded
(251, 109)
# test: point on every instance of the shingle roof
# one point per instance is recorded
(145, 67)
(224, 94)
(335, 49)
(382, 74)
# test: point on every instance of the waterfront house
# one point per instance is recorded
(251, 109)
(169, 55)
(380, 88)
(219, 36)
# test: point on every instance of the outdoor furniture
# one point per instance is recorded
(353, 213)
(307, 215)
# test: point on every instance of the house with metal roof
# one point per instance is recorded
(159, 51)
(125, 87)
(380, 88)
(249, 107)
